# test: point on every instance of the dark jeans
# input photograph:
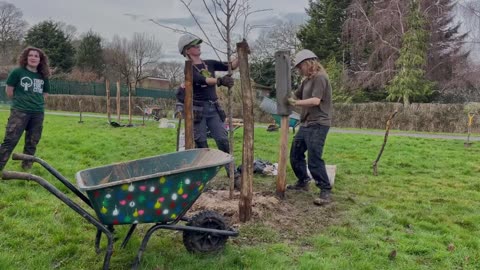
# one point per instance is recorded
(211, 119)
(31, 123)
(311, 139)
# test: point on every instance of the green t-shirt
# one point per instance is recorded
(28, 90)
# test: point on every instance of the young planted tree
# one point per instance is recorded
(410, 83)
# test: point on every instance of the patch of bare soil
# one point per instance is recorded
(292, 217)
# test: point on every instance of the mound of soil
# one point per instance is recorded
(293, 217)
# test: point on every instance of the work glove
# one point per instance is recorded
(290, 101)
(226, 80)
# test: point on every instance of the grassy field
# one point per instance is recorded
(421, 212)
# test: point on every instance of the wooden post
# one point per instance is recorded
(188, 105)
(283, 83)
(80, 109)
(129, 105)
(118, 101)
(246, 191)
(107, 90)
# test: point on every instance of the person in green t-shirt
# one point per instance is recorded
(28, 87)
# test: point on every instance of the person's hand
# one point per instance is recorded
(226, 80)
(291, 101)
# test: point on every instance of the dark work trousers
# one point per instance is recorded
(31, 123)
(211, 119)
(310, 139)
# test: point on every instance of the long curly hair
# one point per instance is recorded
(313, 67)
(43, 69)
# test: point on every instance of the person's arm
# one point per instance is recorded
(317, 93)
(309, 102)
(234, 63)
(9, 91)
(46, 88)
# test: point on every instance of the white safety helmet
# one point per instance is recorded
(187, 39)
(302, 56)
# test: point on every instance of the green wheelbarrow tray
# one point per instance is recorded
(157, 189)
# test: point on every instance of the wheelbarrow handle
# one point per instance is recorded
(19, 156)
(9, 175)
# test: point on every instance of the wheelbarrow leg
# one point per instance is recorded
(98, 237)
(129, 234)
(108, 254)
(143, 246)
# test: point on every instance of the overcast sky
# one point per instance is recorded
(110, 17)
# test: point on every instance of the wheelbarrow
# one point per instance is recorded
(159, 190)
(270, 106)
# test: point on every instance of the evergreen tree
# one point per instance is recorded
(323, 31)
(89, 53)
(48, 37)
(410, 83)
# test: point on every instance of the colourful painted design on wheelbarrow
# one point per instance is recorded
(158, 189)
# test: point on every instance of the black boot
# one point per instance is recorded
(299, 185)
(325, 198)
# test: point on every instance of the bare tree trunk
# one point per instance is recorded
(246, 192)
(387, 130)
(189, 142)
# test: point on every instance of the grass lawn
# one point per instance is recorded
(421, 212)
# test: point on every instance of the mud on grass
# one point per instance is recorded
(273, 220)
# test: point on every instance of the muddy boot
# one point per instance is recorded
(299, 185)
(325, 198)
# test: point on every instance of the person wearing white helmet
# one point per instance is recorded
(314, 97)
(207, 112)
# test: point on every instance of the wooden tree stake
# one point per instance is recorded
(188, 109)
(246, 192)
(118, 101)
(107, 90)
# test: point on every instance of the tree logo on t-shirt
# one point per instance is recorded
(26, 82)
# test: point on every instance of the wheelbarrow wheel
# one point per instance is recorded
(200, 242)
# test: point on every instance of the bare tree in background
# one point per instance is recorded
(117, 60)
(12, 29)
(145, 52)
(281, 36)
(469, 13)
(69, 30)
(172, 71)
